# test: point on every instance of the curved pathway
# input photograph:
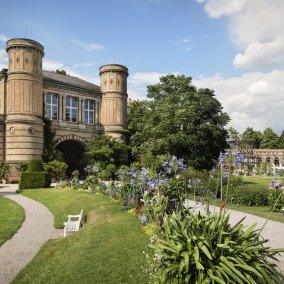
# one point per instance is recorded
(37, 228)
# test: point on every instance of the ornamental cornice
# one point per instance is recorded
(60, 87)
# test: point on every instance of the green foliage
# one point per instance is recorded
(107, 154)
(151, 229)
(281, 141)
(264, 168)
(35, 166)
(34, 180)
(49, 151)
(90, 182)
(75, 182)
(250, 195)
(252, 137)
(270, 139)
(234, 136)
(207, 249)
(61, 72)
(276, 199)
(4, 170)
(57, 170)
(179, 120)
(22, 166)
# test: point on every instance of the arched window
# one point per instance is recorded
(268, 159)
(276, 161)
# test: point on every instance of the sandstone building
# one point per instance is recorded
(79, 111)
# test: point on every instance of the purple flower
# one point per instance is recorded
(144, 171)
(221, 158)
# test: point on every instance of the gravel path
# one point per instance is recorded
(37, 228)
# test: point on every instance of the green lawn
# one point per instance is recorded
(12, 216)
(261, 180)
(108, 249)
(262, 211)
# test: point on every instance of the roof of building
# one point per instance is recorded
(66, 80)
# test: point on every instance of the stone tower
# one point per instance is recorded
(114, 99)
(24, 106)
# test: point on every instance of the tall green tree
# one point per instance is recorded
(252, 137)
(234, 136)
(178, 119)
(281, 141)
(270, 139)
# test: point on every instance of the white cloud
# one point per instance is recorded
(256, 27)
(138, 82)
(88, 46)
(145, 78)
(262, 54)
(135, 95)
(185, 42)
(252, 99)
(218, 8)
(52, 65)
(84, 65)
(3, 59)
(3, 38)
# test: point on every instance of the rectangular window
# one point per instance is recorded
(89, 110)
(51, 106)
(71, 109)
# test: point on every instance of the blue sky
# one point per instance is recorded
(235, 47)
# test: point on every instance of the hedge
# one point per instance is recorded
(250, 195)
(34, 180)
(35, 166)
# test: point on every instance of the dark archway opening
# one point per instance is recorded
(74, 156)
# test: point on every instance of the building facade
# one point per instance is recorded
(79, 111)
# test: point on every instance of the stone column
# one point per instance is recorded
(59, 102)
(83, 111)
(63, 107)
(79, 114)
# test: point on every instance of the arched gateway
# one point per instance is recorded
(79, 111)
(72, 148)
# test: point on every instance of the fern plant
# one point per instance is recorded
(207, 249)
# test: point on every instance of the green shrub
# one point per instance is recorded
(34, 180)
(57, 170)
(207, 249)
(250, 195)
(22, 166)
(4, 170)
(35, 166)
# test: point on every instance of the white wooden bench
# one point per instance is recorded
(73, 224)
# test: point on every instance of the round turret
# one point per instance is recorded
(24, 108)
(114, 99)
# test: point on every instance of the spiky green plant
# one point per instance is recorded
(207, 249)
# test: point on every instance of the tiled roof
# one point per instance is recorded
(71, 81)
